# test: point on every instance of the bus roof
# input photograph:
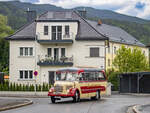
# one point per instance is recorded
(79, 69)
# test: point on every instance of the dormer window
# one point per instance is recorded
(45, 30)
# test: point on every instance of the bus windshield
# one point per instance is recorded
(66, 76)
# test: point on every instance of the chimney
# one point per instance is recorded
(82, 13)
(99, 22)
(31, 15)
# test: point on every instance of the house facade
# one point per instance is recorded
(62, 39)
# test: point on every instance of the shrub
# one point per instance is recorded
(113, 78)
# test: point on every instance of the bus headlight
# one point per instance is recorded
(68, 88)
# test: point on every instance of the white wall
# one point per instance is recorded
(17, 62)
(40, 29)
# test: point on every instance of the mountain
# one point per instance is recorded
(139, 28)
(107, 14)
(91, 12)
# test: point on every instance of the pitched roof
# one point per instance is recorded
(115, 34)
(27, 32)
(87, 30)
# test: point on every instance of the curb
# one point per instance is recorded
(136, 108)
(135, 94)
(17, 106)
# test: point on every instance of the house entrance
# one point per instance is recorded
(51, 77)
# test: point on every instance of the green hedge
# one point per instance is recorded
(21, 87)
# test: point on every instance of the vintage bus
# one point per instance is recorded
(78, 83)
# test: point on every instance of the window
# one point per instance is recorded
(115, 50)
(31, 51)
(62, 52)
(26, 51)
(21, 74)
(45, 30)
(56, 32)
(49, 52)
(21, 51)
(67, 30)
(90, 76)
(53, 32)
(26, 74)
(59, 32)
(94, 52)
(100, 76)
(108, 62)
(30, 74)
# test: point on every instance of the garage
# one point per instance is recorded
(135, 82)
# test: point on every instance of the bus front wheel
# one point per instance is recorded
(76, 97)
(53, 99)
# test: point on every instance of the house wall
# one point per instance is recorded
(80, 50)
(111, 55)
(40, 29)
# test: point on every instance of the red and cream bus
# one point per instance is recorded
(78, 83)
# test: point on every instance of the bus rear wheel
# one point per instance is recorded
(97, 97)
(76, 97)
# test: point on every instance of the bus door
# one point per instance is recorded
(84, 85)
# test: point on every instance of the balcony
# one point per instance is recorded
(51, 61)
(64, 39)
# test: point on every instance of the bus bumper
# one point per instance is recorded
(60, 95)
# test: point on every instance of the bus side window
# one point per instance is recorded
(101, 76)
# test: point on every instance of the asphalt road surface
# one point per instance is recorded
(112, 104)
(146, 109)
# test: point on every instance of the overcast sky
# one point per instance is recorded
(138, 8)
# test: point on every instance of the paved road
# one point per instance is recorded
(146, 109)
(113, 104)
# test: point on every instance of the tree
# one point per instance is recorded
(128, 60)
(4, 46)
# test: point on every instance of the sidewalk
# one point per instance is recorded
(10, 103)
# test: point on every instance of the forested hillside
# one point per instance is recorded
(139, 28)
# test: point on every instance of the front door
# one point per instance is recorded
(51, 77)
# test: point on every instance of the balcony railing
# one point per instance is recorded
(55, 61)
(66, 39)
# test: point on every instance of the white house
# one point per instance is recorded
(56, 40)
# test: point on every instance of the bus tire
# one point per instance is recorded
(98, 95)
(53, 100)
(76, 97)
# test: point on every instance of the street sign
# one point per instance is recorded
(35, 73)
